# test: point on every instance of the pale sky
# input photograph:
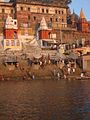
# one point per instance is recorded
(78, 4)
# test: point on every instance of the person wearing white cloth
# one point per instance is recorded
(69, 70)
(82, 75)
(73, 70)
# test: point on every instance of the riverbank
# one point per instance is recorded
(29, 72)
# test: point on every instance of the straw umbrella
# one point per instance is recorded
(73, 56)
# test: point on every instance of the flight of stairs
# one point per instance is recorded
(34, 48)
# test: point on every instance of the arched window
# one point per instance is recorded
(21, 8)
(50, 19)
(46, 10)
(56, 19)
(28, 8)
(34, 18)
(42, 10)
(56, 11)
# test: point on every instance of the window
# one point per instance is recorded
(15, 23)
(49, 35)
(29, 9)
(62, 20)
(12, 11)
(7, 43)
(3, 10)
(46, 10)
(59, 12)
(12, 43)
(56, 20)
(21, 8)
(42, 10)
(56, 11)
(62, 12)
(50, 19)
(34, 18)
(28, 17)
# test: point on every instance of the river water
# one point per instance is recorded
(45, 100)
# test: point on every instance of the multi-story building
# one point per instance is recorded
(5, 9)
(82, 26)
(29, 14)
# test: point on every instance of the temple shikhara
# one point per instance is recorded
(49, 22)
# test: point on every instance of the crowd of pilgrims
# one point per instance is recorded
(66, 67)
(63, 69)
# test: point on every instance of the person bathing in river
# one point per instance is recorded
(82, 74)
(69, 70)
(73, 69)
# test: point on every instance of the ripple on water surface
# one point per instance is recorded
(45, 100)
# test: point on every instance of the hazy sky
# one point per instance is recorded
(78, 4)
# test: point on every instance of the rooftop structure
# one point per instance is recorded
(61, 3)
(11, 23)
(82, 16)
(43, 24)
(34, 15)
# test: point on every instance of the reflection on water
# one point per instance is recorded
(45, 100)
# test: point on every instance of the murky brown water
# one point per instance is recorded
(45, 100)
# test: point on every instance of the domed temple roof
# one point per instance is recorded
(74, 16)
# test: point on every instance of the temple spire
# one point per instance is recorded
(82, 16)
(43, 25)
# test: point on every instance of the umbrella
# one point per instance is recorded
(73, 55)
(37, 56)
(60, 55)
(7, 49)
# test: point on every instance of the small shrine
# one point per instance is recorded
(46, 35)
(11, 40)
